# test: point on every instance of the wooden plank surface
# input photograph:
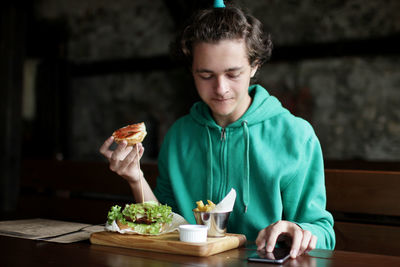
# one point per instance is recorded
(169, 243)
(378, 239)
(368, 192)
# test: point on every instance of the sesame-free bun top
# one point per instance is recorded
(133, 134)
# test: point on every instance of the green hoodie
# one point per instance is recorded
(270, 157)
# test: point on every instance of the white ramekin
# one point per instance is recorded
(193, 233)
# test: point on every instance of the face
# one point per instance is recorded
(222, 75)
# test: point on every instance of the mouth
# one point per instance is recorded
(221, 100)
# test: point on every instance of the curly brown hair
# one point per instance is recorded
(216, 24)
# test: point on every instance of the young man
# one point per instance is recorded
(237, 137)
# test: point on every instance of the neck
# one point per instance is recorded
(225, 120)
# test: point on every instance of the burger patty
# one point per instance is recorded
(142, 220)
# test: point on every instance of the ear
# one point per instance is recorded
(253, 71)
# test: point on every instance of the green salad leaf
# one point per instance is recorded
(114, 214)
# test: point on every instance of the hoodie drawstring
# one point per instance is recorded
(246, 181)
(210, 180)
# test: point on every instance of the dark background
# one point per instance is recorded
(71, 72)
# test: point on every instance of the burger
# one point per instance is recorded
(132, 134)
(148, 218)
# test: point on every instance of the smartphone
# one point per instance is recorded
(278, 255)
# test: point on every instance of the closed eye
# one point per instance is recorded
(234, 75)
(205, 76)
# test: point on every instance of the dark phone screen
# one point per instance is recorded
(279, 255)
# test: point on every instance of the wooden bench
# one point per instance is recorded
(365, 204)
(74, 191)
(366, 208)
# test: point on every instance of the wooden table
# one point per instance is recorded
(24, 252)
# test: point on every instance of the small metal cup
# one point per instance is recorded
(216, 222)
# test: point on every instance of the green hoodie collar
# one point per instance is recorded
(263, 107)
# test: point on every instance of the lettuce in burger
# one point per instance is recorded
(143, 218)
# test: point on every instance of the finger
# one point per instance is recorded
(136, 147)
(274, 232)
(124, 152)
(305, 242)
(134, 166)
(131, 158)
(141, 152)
(117, 156)
(297, 237)
(118, 152)
(261, 239)
(121, 161)
(105, 148)
(313, 243)
(140, 149)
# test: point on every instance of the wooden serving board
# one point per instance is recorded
(169, 243)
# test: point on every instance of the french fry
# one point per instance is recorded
(204, 208)
(200, 204)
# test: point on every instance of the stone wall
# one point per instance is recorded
(353, 102)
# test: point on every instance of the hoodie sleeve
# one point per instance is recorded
(304, 196)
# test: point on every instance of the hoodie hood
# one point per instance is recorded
(263, 107)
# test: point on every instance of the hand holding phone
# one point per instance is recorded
(278, 255)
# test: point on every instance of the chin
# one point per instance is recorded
(222, 113)
(220, 108)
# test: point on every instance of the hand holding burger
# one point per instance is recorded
(124, 160)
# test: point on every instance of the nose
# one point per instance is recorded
(221, 86)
